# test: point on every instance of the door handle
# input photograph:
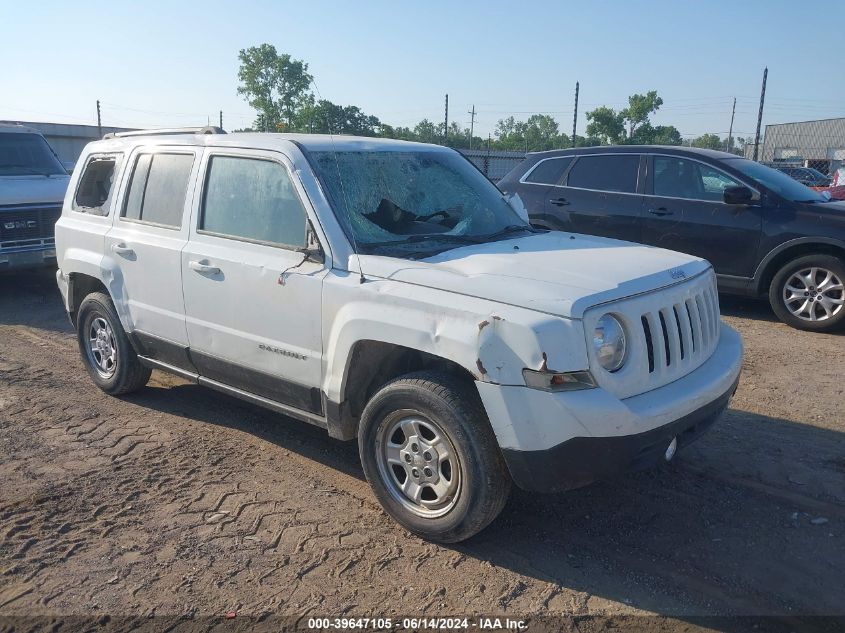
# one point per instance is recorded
(122, 249)
(203, 268)
(559, 202)
(661, 211)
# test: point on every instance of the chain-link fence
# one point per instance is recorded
(494, 164)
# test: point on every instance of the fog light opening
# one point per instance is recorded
(671, 449)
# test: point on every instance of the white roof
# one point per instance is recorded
(260, 140)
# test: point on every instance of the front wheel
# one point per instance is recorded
(808, 293)
(431, 458)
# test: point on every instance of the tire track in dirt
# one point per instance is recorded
(178, 500)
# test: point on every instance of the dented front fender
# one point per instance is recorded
(530, 340)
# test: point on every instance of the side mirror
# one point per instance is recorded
(515, 203)
(739, 195)
(313, 249)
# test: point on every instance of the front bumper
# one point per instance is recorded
(559, 441)
(34, 258)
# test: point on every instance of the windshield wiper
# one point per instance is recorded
(425, 237)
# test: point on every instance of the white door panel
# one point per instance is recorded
(245, 328)
(148, 255)
(242, 310)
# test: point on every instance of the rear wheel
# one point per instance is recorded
(108, 356)
(808, 293)
(431, 458)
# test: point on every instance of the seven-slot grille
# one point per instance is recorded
(669, 332)
(681, 331)
(28, 225)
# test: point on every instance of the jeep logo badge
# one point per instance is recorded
(677, 273)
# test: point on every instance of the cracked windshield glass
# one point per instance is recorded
(414, 203)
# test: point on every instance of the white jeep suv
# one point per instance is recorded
(387, 291)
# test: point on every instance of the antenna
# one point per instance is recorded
(362, 279)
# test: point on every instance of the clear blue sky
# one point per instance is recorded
(158, 63)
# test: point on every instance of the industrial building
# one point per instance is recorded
(819, 144)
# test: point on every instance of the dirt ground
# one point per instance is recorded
(181, 501)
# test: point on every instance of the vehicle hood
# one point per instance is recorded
(33, 189)
(834, 208)
(557, 273)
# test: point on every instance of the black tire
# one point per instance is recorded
(452, 404)
(785, 274)
(126, 373)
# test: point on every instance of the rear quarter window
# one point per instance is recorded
(548, 171)
(94, 192)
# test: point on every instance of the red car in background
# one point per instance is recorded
(836, 192)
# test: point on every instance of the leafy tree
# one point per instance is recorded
(647, 134)
(325, 117)
(737, 145)
(458, 137)
(708, 141)
(428, 132)
(539, 132)
(640, 107)
(606, 125)
(542, 133)
(277, 86)
(631, 125)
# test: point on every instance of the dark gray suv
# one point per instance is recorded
(765, 233)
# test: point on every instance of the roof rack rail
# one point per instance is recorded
(208, 129)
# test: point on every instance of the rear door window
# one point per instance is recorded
(158, 189)
(548, 171)
(94, 192)
(606, 172)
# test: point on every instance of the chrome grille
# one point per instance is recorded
(28, 225)
(670, 332)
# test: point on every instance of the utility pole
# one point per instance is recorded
(446, 125)
(471, 125)
(487, 159)
(575, 116)
(760, 113)
(731, 128)
(99, 121)
(221, 119)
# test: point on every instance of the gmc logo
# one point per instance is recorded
(20, 224)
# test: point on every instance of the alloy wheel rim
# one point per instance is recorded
(418, 463)
(102, 347)
(814, 294)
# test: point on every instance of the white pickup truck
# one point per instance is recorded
(387, 291)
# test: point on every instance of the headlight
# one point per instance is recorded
(609, 343)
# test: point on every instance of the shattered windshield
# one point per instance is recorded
(413, 203)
